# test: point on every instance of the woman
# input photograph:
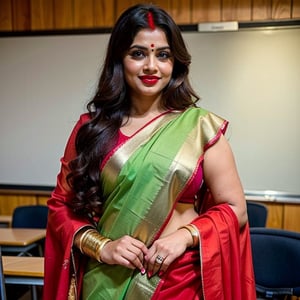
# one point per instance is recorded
(148, 202)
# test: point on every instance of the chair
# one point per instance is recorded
(31, 216)
(276, 261)
(257, 214)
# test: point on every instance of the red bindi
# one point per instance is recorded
(152, 45)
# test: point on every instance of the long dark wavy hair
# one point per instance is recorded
(111, 104)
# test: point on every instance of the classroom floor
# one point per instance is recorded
(26, 296)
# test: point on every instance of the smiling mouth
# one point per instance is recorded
(149, 80)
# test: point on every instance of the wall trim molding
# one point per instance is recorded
(270, 24)
(16, 189)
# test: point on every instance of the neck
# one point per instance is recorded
(141, 108)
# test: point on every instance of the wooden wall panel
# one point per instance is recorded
(296, 9)
(180, 10)
(280, 215)
(26, 15)
(104, 13)
(164, 4)
(21, 15)
(206, 11)
(41, 15)
(63, 14)
(261, 10)
(6, 15)
(121, 5)
(42, 200)
(291, 220)
(83, 13)
(275, 215)
(9, 202)
(281, 9)
(236, 10)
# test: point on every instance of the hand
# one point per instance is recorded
(125, 251)
(167, 248)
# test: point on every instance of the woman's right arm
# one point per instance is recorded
(62, 225)
(62, 219)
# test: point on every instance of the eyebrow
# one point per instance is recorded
(145, 48)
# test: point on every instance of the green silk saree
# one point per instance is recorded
(142, 181)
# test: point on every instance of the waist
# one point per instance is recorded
(183, 214)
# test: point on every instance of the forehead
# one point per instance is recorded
(146, 37)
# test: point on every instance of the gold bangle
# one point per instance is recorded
(103, 243)
(91, 244)
(82, 237)
(194, 233)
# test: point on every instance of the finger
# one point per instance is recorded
(129, 259)
(139, 248)
(135, 256)
(164, 266)
(159, 263)
(155, 264)
(126, 263)
(139, 251)
(150, 252)
(136, 259)
(123, 253)
(149, 258)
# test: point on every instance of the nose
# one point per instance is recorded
(150, 64)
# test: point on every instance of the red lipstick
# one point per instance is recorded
(149, 79)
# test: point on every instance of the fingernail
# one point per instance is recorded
(143, 271)
(149, 274)
(160, 273)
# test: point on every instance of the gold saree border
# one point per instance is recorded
(141, 287)
(115, 163)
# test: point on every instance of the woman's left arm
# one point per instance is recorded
(222, 179)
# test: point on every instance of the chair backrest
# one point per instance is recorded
(276, 261)
(30, 216)
(257, 214)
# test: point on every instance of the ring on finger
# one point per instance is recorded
(159, 259)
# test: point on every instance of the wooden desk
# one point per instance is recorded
(22, 270)
(20, 236)
(23, 266)
(20, 239)
(5, 221)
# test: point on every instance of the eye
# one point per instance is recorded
(164, 55)
(137, 54)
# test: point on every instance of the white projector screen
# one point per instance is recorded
(250, 77)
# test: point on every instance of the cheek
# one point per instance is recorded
(131, 68)
(167, 69)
